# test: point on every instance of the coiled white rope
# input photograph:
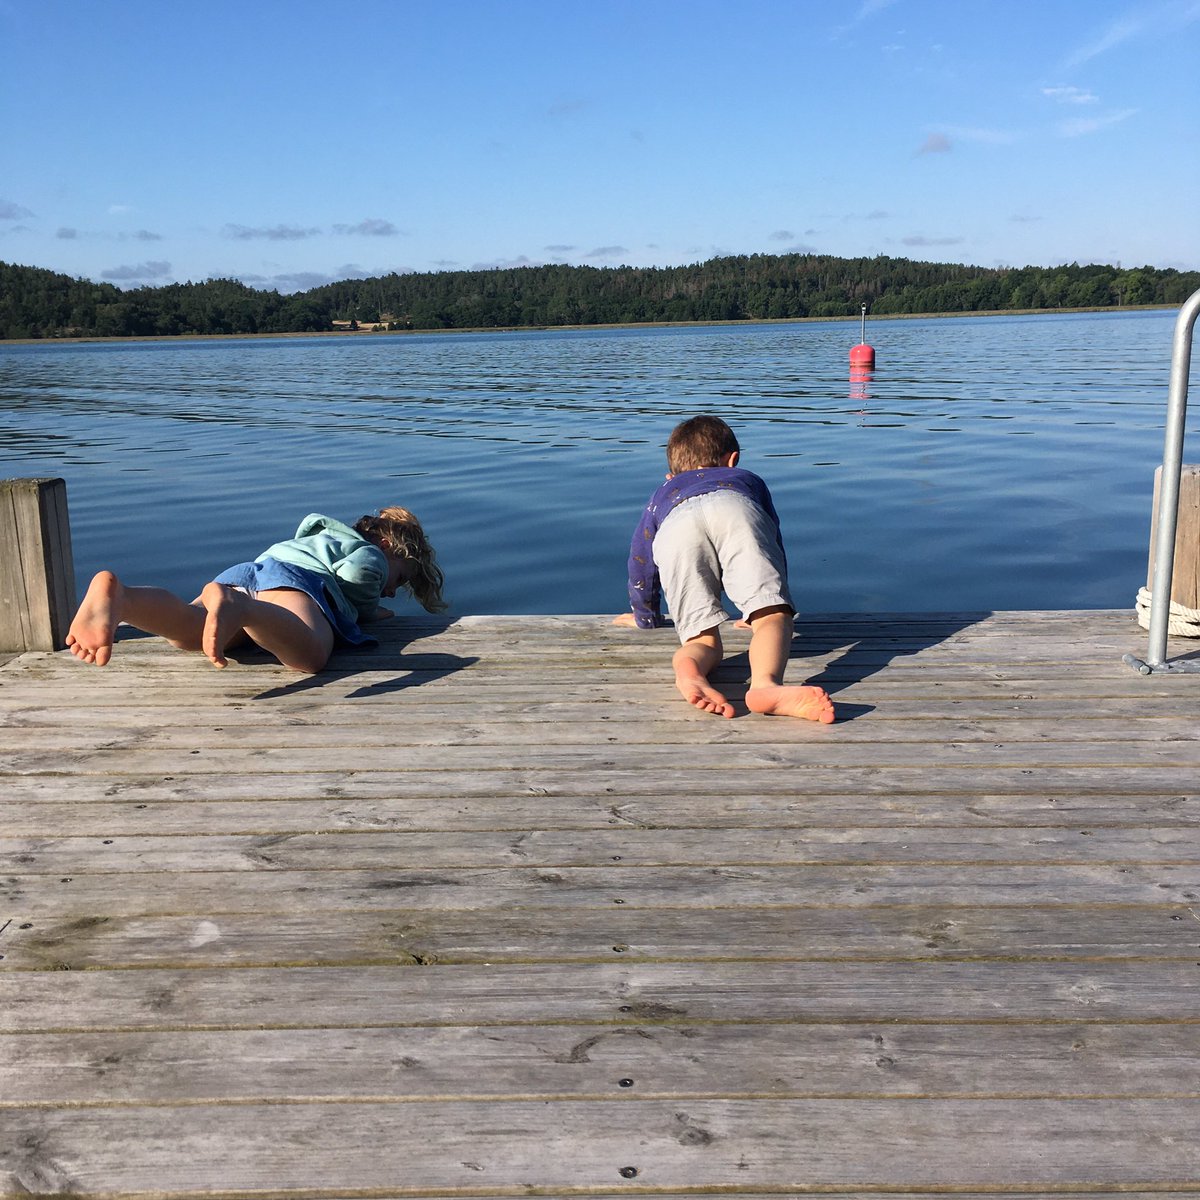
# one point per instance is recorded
(1181, 620)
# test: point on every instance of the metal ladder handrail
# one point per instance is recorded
(1168, 497)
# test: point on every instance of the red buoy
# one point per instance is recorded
(863, 355)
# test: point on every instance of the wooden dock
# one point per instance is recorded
(490, 912)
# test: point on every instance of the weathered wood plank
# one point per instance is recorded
(547, 1061)
(1041, 658)
(84, 939)
(35, 708)
(37, 585)
(358, 850)
(166, 810)
(1175, 787)
(572, 1144)
(420, 889)
(145, 735)
(806, 746)
(619, 994)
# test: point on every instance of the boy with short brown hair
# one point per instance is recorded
(713, 527)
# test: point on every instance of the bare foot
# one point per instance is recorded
(696, 689)
(810, 703)
(91, 635)
(223, 622)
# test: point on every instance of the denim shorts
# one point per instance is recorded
(267, 573)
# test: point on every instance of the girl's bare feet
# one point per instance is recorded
(91, 635)
(805, 701)
(695, 689)
(223, 622)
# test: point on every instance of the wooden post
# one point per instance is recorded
(37, 579)
(1185, 576)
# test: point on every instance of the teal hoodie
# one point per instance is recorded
(354, 570)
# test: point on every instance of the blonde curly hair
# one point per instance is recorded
(398, 531)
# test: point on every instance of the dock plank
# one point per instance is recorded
(438, 1146)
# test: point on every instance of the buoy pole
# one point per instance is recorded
(863, 355)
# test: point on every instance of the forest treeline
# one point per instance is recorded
(36, 303)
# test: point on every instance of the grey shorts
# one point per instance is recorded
(719, 542)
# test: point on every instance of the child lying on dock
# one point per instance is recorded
(712, 527)
(296, 600)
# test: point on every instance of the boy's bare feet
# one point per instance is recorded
(695, 689)
(223, 622)
(91, 635)
(810, 703)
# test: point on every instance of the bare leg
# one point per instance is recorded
(694, 661)
(770, 638)
(288, 624)
(108, 602)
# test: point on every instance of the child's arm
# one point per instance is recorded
(645, 587)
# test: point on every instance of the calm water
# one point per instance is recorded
(996, 462)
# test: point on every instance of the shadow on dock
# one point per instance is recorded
(861, 654)
(413, 670)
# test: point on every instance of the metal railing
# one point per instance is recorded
(1168, 499)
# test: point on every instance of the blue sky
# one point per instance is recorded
(290, 144)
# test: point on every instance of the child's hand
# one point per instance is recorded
(627, 619)
(381, 614)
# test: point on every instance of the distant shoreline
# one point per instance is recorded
(383, 333)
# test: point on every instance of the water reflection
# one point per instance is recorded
(860, 383)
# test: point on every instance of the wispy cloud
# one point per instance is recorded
(369, 227)
(70, 233)
(139, 273)
(607, 252)
(296, 281)
(1118, 31)
(921, 240)
(935, 143)
(10, 211)
(866, 10)
(1082, 126)
(974, 133)
(1070, 95)
(1152, 19)
(558, 249)
(781, 235)
(276, 233)
(870, 8)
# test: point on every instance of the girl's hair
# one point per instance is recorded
(397, 530)
(699, 442)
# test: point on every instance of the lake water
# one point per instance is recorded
(988, 463)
